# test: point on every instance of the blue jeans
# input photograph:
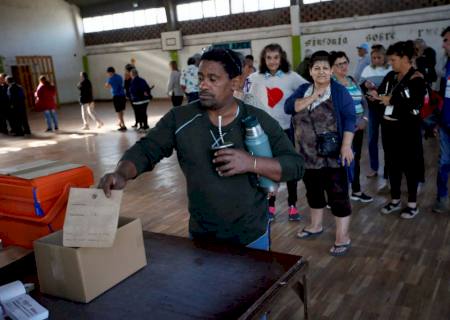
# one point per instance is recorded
(50, 116)
(263, 242)
(444, 163)
(374, 132)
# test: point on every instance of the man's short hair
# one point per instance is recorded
(10, 79)
(445, 31)
(134, 72)
(128, 67)
(249, 56)
(229, 59)
(111, 70)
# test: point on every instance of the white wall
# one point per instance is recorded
(345, 34)
(153, 66)
(425, 23)
(44, 27)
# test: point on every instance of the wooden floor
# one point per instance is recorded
(396, 269)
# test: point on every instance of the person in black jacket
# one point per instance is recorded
(87, 102)
(140, 97)
(126, 86)
(425, 61)
(402, 94)
(19, 117)
(4, 105)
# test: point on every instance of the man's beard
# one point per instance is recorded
(209, 104)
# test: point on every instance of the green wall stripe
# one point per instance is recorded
(296, 51)
(86, 65)
(174, 55)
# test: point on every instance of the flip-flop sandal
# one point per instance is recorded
(305, 234)
(340, 250)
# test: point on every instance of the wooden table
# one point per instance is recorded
(185, 279)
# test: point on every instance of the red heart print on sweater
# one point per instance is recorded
(274, 95)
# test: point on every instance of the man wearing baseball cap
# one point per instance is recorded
(363, 61)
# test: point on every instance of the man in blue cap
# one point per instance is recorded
(363, 61)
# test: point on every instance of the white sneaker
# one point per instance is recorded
(85, 127)
(99, 124)
(409, 213)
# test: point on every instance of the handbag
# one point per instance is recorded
(327, 143)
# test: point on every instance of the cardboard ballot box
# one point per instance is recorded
(82, 274)
(33, 198)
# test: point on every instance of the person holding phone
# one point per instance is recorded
(371, 78)
(320, 110)
(402, 94)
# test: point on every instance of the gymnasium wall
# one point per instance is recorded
(44, 27)
(338, 34)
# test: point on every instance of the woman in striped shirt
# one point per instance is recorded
(339, 62)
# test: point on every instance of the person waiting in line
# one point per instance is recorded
(425, 61)
(324, 120)
(174, 90)
(45, 101)
(249, 60)
(303, 67)
(115, 83)
(140, 97)
(363, 60)
(272, 85)
(224, 203)
(87, 102)
(441, 205)
(19, 116)
(126, 86)
(4, 105)
(189, 80)
(371, 78)
(402, 94)
(339, 62)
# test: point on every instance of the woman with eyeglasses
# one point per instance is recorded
(371, 78)
(272, 85)
(323, 115)
(339, 62)
(401, 95)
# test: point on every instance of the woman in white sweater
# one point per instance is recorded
(371, 78)
(272, 85)
(173, 87)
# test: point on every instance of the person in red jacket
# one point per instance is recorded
(45, 101)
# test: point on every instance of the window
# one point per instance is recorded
(216, 8)
(122, 20)
(107, 22)
(313, 1)
(203, 9)
(239, 6)
(222, 7)
(139, 18)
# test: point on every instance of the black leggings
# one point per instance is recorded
(177, 100)
(357, 148)
(291, 185)
(141, 115)
(404, 154)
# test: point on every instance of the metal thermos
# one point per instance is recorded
(258, 145)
